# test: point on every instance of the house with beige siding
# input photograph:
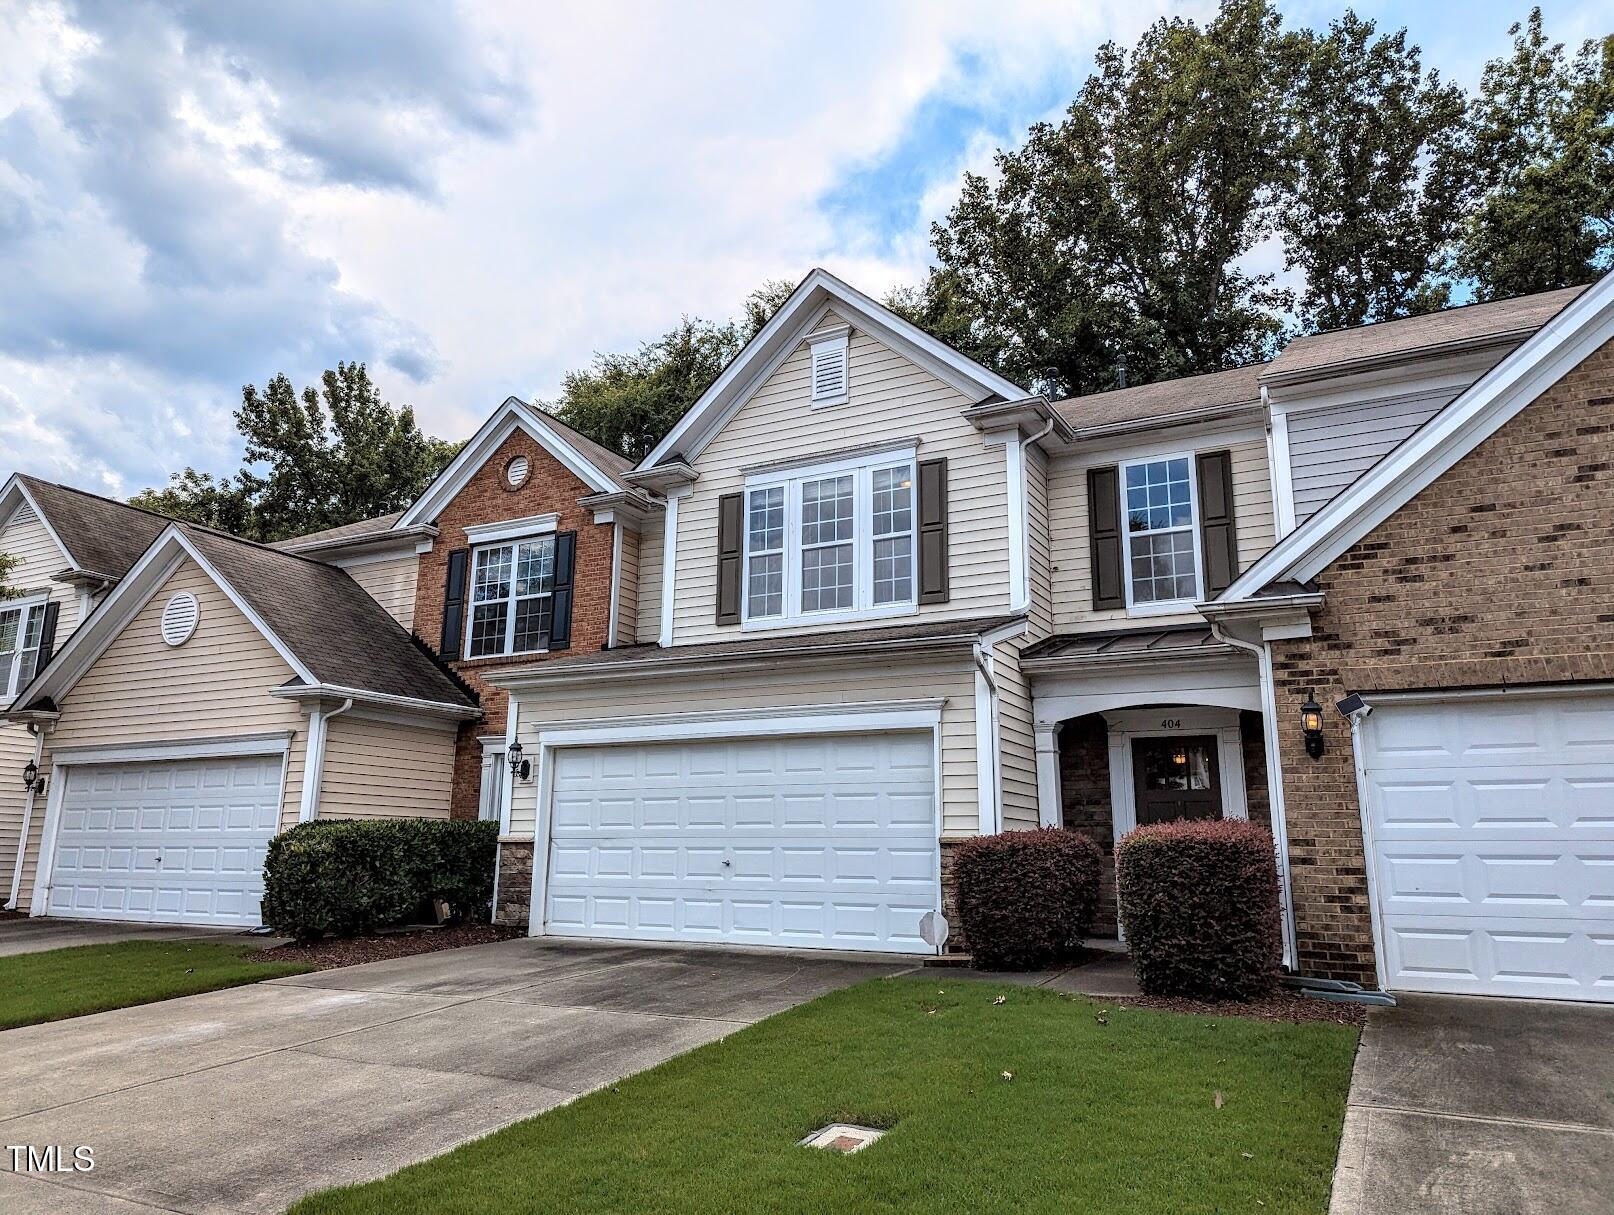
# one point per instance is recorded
(869, 599)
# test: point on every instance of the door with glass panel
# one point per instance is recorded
(1176, 778)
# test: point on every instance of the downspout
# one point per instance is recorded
(38, 732)
(989, 809)
(314, 760)
(1269, 738)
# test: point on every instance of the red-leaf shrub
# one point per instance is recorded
(1026, 898)
(1200, 908)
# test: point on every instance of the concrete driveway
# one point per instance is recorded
(243, 1100)
(34, 934)
(1483, 1107)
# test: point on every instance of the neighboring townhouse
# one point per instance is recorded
(203, 694)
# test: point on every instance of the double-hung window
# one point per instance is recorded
(512, 598)
(21, 626)
(832, 542)
(1159, 517)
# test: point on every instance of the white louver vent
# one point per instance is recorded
(180, 615)
(515, 472)
(830, 372)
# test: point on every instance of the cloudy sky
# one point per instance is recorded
(475, 198)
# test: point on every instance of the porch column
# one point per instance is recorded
(1050, 805)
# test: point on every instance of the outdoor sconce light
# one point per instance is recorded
(31, 780)
(1311, 725)
(520, 768)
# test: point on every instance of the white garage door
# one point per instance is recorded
(1492, 824)
(178, 842)
(826, 841)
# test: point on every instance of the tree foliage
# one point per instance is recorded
(330, 456)
(8, 563)
(628, 401)
(1542, 159)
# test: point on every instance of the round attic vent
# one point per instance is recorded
(515, 472)
(180, 615)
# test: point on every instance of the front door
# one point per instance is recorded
(1176, 778)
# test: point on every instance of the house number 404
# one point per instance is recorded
(1171, 723)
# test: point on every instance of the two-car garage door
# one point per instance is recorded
(816, 841)
(178, 842)
(1491, 825)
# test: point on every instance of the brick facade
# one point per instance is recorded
(1499, 573)
(487, 498)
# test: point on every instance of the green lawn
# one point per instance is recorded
(59, 983)
(1106, 1111)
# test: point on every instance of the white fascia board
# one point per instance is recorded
(514, 413)
(15, 494)
(1495, 398)
(148, 575)
(402, 704)
(783, 333)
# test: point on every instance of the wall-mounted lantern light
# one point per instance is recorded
(31, 780)
(520, 768)
(1311, 725)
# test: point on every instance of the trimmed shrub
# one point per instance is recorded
(1200, 908)
(1026, 898)
(348, 877)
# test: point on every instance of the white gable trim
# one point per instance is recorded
(14, 495)
(776, 340)
(1555, 349)
(514, 414)
(148, 576)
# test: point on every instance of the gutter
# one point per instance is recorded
(1220, 609)
(354, 545)
(326, 691)
(1208, 413)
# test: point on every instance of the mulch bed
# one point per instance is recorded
(1285, 1004)
(352, 951)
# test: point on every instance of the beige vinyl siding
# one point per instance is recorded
(216, 685)
(807, 685)
(384, 769)
(38, 557)
(1330, 447)
(391, 583)
(890, 398)
(649, 609)
(627, 587)
(1017, 740)
(1072, 556)
(1038, 557)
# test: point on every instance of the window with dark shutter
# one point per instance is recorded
(933, 585)
(730, 542)
(1104, 536)
(47, 635)
(1217, 537)
(560, 629)
(454, 603)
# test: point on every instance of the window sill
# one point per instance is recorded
(500, 657)
(1166, 607)
(814, 619)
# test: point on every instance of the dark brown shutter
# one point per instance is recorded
(730, 544)
(454, 603)
(560, 623)
(47, 635)
(1104, 536)
(1217, 539)
(933, 531)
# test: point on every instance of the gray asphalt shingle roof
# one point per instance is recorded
(103, 536)
(348, 531)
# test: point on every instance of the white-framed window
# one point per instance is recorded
(832, 542)
(1160, 524)
(830, 357)
(512, 598)
(22, 623)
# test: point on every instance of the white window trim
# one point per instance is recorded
(24, 604)
(864, 608)
(1162, 607)
(514, 543)
(839, 337)
(529, 528)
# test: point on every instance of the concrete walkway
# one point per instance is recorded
(34, 934)
(1480, 1107)
(244, 1100)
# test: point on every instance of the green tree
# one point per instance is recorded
(1373, 177)
(1542, 158)
(628, 401)
(7, 564)
(332, 455)
(1112, 238)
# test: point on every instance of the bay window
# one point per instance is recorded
(833, 542)
(512, 598)
(1158, 515)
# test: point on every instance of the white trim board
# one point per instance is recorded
(783, 334)
(1577, 331)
